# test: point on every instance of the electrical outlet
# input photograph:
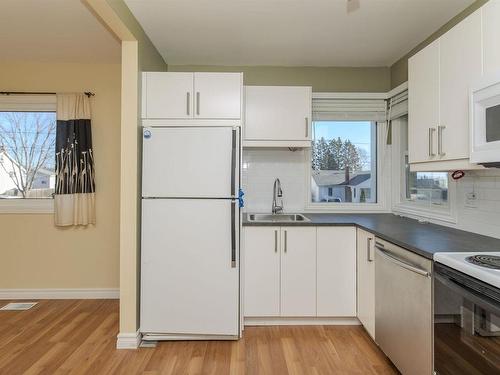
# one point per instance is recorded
(471, 200)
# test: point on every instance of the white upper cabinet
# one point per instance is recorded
(298, 271)
(460, 65)
(336, 271)
(167, 95)
(277, 116)
(423, 103)
(491, 37)
(439, 77)
(217, 95)
(177, 95)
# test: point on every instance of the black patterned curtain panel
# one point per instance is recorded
(74, 198)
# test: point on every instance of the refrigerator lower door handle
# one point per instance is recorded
(233, 234)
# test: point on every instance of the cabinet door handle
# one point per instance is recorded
(276, 241)
(307, 127)
(198, 103)
(431, 142)
(188, 103)
(440, 140)
(286, 242)
(369, 256)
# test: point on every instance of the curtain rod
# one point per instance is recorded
(88, 93)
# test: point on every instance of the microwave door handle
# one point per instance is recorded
(468, 293)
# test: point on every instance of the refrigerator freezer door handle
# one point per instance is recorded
(233, 163)
(233, 234)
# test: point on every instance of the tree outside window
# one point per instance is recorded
(27, 141)
(343, 162)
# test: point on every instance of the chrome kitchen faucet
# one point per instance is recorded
(277, 193)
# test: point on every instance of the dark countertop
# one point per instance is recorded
(422, 239)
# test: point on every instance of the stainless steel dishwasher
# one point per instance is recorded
(403, 308)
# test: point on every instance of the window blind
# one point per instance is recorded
(398, 105)
(348, 109)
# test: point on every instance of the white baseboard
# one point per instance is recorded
(305, 321)
(97, 293)
(128, 340)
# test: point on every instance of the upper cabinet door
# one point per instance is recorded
(277, 113)
(491, 37)
(423, 103)
(298, 271)
(167, 95)
(460, 65)
(217, 95)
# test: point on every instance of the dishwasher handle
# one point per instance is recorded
(386, 255)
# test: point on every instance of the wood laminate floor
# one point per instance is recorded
(79, 337)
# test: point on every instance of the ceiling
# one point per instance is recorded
(54, 30)
(290, 32)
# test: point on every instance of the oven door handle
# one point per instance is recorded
(469, 293)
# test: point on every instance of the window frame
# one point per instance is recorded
(382, 172)
(27, 103)
(406, 207)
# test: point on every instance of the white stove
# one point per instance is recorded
(483, 266)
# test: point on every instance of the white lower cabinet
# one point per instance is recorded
(298, 271)
(262, 271)
(366, 280)
(336, 271)
(293, 271)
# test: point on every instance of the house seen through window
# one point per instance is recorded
(27, 142)
(344, 162)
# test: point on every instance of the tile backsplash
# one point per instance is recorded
(262, 166)
(482, 215)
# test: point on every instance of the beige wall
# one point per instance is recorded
(399, 70)
(322, 79)
(36, 254)
(138, 53)
(149, 57)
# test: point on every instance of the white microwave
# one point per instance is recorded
(484, 122)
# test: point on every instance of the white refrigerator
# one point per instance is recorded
(190, 233)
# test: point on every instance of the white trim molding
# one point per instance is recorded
(303, 321)
(27, 206)
(128, 340)
(94, 293)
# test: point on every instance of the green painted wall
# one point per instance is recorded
(149, 57)
(399, 70)
(322, 79)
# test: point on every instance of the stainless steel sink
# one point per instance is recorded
(277, 218)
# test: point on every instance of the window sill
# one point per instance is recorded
(26, 206)
(425, 213)
(347, 207)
